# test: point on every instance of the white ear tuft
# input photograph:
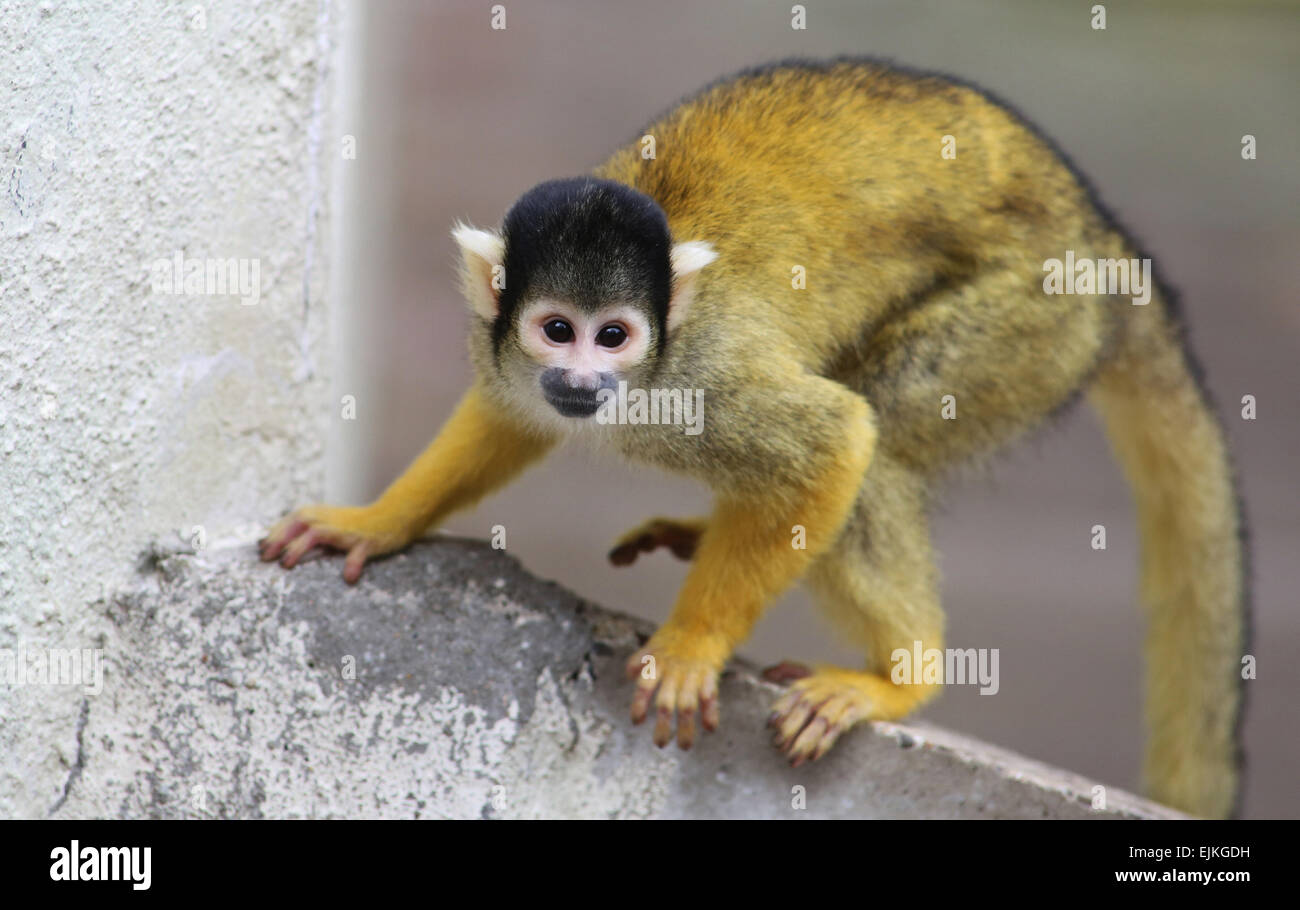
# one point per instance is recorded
(687, 259)
(485, 244)
(482, 274)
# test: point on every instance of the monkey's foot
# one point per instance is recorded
(678, 535)
(682, 682)
(819, 708)
(359, 532)
(786, 672)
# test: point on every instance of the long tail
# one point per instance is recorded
(1194, 562)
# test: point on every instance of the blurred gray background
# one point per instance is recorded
(454, 120)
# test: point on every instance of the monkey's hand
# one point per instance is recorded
(678, 535)
(685, 675)
(361, 532)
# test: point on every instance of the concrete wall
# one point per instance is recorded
(131, 132)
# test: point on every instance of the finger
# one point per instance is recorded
(803, 746)
(683, 549)
(355, 562)
(680, 540)
(828, 739)
(628, 547)
(838, 711)
(840, 715)
(783, 706)
(645, 690)
(624, 554)
(285, 530)
(687, 705)
(685, 728)
(298, 548)
(666, 705)
(793, 722)
(786, 672)
(709, 705)
(636, 664)
(663, 727)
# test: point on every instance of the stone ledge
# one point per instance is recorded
(479, 691)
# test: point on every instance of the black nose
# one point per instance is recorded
(569, 400)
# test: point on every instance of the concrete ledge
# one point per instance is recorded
(478, 691)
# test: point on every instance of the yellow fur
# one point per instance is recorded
(1174, 455)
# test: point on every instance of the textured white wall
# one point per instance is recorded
(130, 131)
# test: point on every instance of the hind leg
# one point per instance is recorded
(878, 585)
(680, 535)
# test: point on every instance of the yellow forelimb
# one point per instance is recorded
(755, 545)
(478, 450)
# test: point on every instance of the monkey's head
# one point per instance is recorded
(583, 288)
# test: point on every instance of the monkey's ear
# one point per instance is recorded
(482, 268)
(686, 259)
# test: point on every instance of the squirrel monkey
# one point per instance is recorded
(799, 248)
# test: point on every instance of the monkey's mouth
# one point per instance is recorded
(574, 403)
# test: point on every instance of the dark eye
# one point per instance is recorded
(558, 331)
(611, 336)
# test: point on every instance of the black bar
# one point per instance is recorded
(872, 859)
